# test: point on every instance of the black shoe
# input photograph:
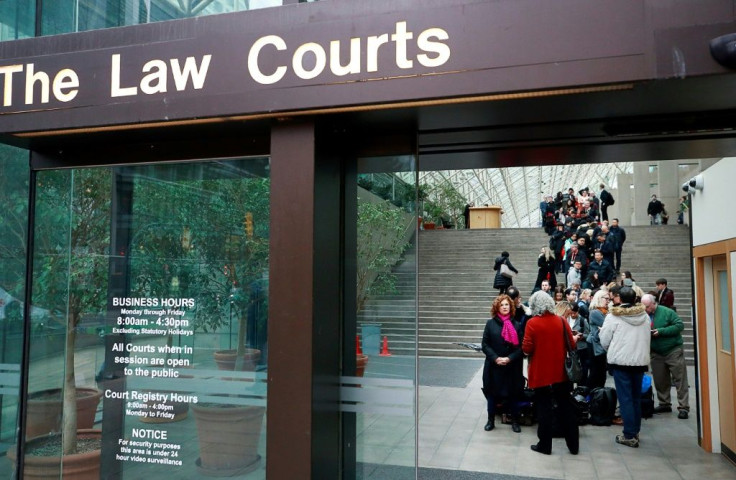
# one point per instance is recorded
(517, 428)
(535, 448)
(661, 409)
(682, 415)
(490, 425)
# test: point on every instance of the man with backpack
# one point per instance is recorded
(606, 200)
(626, 337)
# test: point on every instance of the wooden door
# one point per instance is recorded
(724, 352)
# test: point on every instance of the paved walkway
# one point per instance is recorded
(451, 437)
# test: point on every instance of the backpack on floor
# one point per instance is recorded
(581, 402)
(647, 397)
(602, 406)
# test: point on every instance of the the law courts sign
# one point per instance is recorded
(314, 56)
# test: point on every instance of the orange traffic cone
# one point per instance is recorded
(358, 350)
(384, 350)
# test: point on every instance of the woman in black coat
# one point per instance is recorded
(547, 266)
(503, 375)
(501, 282)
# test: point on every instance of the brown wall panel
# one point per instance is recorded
(290, 319)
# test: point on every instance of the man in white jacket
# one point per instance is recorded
(625, 335)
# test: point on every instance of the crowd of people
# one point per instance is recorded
(583, 245)
(615, 327)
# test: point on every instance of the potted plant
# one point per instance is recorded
(73, 210)
(382, 232)
(232, 277)
(228, 280)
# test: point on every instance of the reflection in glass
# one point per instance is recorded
(381, 400)
(65, 16)
(723, 296)
(13, 225)
(17, 19)
(151, 274)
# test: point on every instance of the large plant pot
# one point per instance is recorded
(44, 410)
(79, 466)
(228, 438)
(227, 359)
(361, 360)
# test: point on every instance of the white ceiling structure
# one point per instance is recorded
(518, 190)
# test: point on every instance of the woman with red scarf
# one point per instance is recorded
(503, 376)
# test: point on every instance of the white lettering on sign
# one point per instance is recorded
(157, 78)
(255, 50)
(270, 59)
(7, 73)
(65, 85)
(430, 42)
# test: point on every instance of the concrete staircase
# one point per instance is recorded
(455, 280)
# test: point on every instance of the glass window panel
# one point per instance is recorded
(13, 224)
(17, 19)
(65, 16)
(379, 399)
(153, 279)
(723, 296)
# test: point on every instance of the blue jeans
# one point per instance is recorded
(628, 391)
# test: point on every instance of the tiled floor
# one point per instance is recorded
(451, 436)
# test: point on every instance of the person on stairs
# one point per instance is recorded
(500, 281)
(503, 376)
(547, 269)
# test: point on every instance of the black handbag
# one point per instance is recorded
(573, 369)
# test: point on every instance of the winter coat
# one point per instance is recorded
(583, 308)
(571, 258)
(574, 276)
(545, 345)
(605, 272)
(546, 269)
(666, 298)
(503, 381)
(596, 320)
(618, 236)
(499, 280)
(557, 243)
(626, 336)
(670, 327)
(581, 325)
(655, 207)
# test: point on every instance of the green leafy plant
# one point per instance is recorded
(212, 247)
(381, 243)
(71, 262)
(442, 202)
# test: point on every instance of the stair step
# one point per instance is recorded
(449, 291)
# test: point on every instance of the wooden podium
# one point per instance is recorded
(485, 217)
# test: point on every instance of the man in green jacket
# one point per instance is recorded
(667, 357)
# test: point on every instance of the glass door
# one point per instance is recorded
(155, 280)
(379, 400)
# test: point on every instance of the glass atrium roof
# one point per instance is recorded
(518, 190)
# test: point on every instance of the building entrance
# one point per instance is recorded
(154, 280)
